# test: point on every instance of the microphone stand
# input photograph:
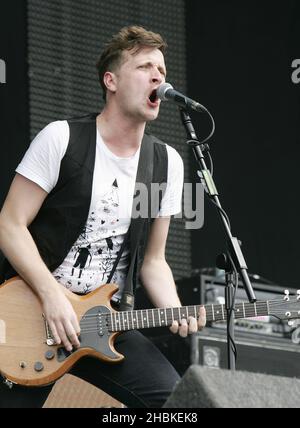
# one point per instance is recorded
(235, 262)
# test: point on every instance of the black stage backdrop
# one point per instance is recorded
(239, 63)
(14, 110)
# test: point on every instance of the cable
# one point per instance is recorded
(236, 277)
(222, 211)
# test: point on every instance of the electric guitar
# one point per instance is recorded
(29, 355)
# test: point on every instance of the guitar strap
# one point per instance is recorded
(119, 256)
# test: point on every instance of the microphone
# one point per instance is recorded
(166, 92)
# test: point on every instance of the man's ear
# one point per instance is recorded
(109, 80)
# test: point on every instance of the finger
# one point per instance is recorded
(72, 334)
(76, 325)
(202, 318)
(193, 326)
(54, 333)
(174, 327)
(183, 329)
(64, 338)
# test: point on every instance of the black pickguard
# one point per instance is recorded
(95, 336)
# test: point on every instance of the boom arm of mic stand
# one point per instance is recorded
(233, 243)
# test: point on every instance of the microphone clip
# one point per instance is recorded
(195, 143)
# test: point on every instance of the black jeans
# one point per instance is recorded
(145, 378)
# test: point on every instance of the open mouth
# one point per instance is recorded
(153, 97)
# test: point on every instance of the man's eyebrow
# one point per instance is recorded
(160, 67)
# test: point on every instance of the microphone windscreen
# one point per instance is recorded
(162, 89)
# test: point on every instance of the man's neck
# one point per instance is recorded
(121, 135)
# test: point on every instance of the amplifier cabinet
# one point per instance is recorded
(260, 354)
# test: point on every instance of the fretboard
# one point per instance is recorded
(147, 318)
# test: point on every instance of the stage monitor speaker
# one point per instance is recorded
(203, 387)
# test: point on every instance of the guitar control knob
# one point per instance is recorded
(38, 367)
(49, 355)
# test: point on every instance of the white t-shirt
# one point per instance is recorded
(90, 260)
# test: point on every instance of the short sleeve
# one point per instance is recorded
(41, 162)
(171, 202)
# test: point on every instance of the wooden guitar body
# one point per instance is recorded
(25, 356)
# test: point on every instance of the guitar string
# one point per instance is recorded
(139, 316)
(88, 322)
(88, 325)
(155, 311)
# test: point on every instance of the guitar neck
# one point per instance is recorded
(148, 318)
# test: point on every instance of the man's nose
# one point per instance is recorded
(157, 77)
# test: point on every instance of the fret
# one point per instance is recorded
(135, 320)
(127, 321)
(125, 318)
(144, 317)
(186, 310)
(169, 316)
(249, 310)
(213, 312)
(162, 316)
(159, 316)
(147, 313)
(132, 323)
(112, 321)
(177, 317)
(244, 309)
(184, 315)
(172, 315)
(138, 324)
(153, 320)
(262, 309)
(255, 310)
(115, 321)
(217, 312)
(118, 321)
(166, 318)
(123, 322)
(237, 311)
(141, 319)
(191, 311)
(223, 315)
(195, 312)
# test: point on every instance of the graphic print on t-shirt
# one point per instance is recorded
(93, 254)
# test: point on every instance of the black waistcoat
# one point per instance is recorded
(63, 215)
